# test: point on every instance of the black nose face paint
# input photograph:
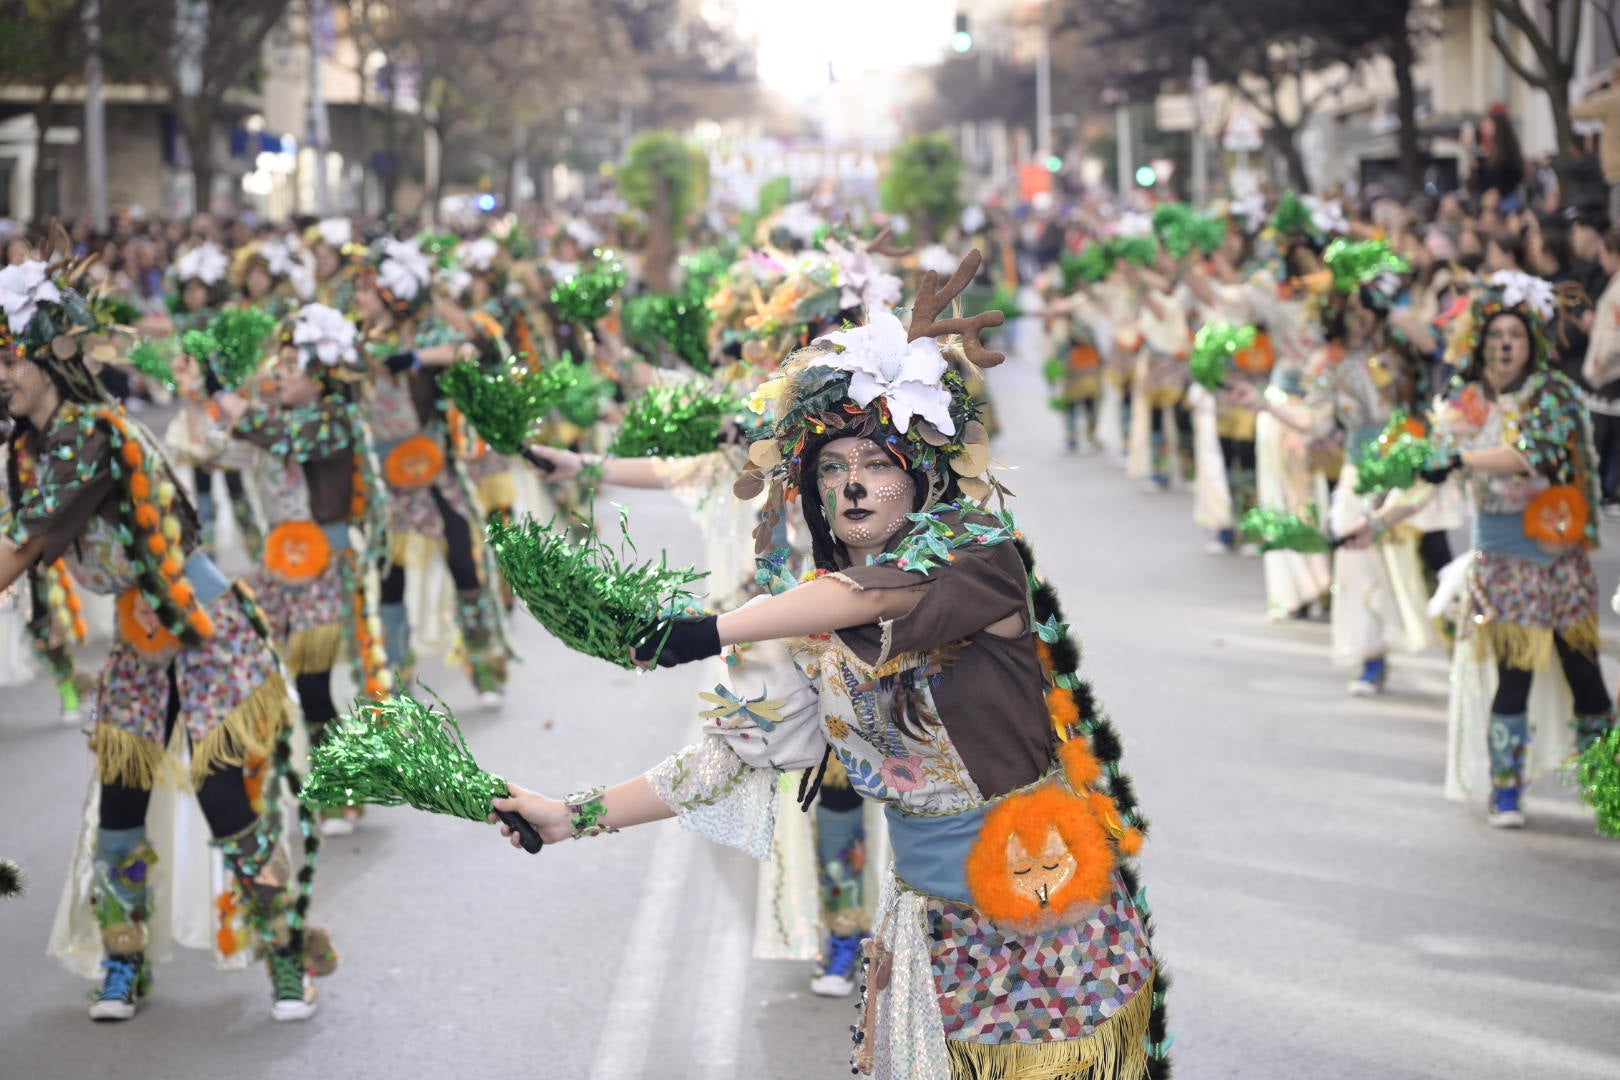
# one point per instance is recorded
(854, 491)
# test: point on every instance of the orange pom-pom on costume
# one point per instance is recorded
(1042, 860)
(297, 551)
(414, 463)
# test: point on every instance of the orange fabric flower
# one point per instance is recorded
(172, 567)
(138, 624)
(148, 516)
(1084, 358)
(1259, 358)
(132, 454)
(157, 544)
(201, 623)
(1557, 517)
(414, 463)
(140, 486)
(182, 593)
(297, 551)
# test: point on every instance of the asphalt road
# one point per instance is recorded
(1326, 912)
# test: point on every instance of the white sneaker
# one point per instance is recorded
(491, 699)
(337, 826)
(1505, 819)
(826, 985)
(295, 991)
(1250, 551)
(70, 716)
(1216, 547)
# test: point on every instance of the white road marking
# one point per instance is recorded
(718, 1025)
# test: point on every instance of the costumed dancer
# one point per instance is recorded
(1073, 369)
(1519, 435)
(192, 667)
(1010, 940)
(1161, 426)
(1360, 380)
(431, 513)
(307, 454)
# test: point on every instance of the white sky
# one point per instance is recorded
(798, 38)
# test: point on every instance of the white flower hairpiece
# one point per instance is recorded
(206, 263)
(937, 257)
(864, 284)
(906, 374)
(478, 254)
(405, 269)
(1520, 289)
(1327, 217)
(799, 220)
(1133, 224)
(335, 231)
(1251, 212)
(22, 289)
(323, 332)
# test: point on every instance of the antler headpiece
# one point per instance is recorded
(886, 381)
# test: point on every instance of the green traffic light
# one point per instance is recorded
(962, 41)
(1054, 164)
(1146, 176)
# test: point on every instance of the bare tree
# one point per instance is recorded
(1551, 29)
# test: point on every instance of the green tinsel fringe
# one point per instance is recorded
(399, 752)
(1088, 267)
(583, 593)
(504, 405)
(1356, 262)
(1182, 229)
(1597, 770)
(588, 296)
(233, 345)
(673, 421)
(13, 882)
(154, 359)
(678, 320)
(1142, 251)
(1278, 530)
(1394, 461)
(1292, 216)
(1213, 349)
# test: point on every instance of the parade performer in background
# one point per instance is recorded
(431, 513)
(192, 665)
(1518, 434)
(306, 452)
(1009, 941)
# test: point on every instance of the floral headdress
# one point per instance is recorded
(322, 336)
(887, 381)
(863, 285)
(1513, 292)
(284, 263)
(51, 323)
(402, 272)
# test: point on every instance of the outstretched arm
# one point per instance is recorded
(16, 559)
(816, 607)
(627, 804)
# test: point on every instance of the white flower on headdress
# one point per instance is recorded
(1134, 224)
(583, 233)
(799, 220)
(478, 254)
(905, 373)
(1251, 212)
(205, 262)
(323, 332)
(1327, 217)
(1520, 289)
(973, 218)
(22, 289)
(938, 258)
(335, 231)
(278, 258)
(405, 269)
(865, 284)
(301, 276)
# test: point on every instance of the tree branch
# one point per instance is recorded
(1539, 81)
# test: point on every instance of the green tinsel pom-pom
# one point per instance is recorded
(1292, 216)
(13, 882)
(1182, 230)
(583, 593)
(1141, 251)
(704, 271)
(239, 336)
(680, 321)
(1356, 262)
(1394, 461)
(1278, 530)
(1213, 349)
(399, 752)
(198, 344)
(502, 406)
(1597, 770)
(155, 360)
(588, 296)
(1086, 268)
(673, 421)
(577, 389)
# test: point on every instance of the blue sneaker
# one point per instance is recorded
(1504, 812)
(838, 967)
(127, 981)
(1370, 683)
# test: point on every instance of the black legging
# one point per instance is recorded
(1435, 550)
(458, 555)
(1238, 453)
(1585, 682)
(315, 699)
(222, 796)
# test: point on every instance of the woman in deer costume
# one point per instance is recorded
(1008, 941)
